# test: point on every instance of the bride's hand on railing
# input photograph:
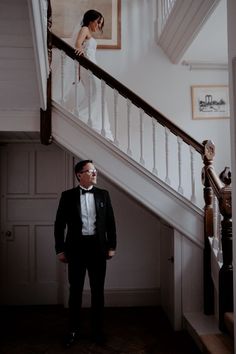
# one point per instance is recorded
(79, 51)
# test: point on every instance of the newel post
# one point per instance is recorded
(226, 271)
(209, 153)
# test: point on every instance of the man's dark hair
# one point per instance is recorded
(80, 165)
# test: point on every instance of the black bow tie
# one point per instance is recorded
(84, 191)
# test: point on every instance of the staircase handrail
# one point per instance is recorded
(221, 188)
(127, 93)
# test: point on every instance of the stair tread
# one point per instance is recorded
(217, 343)
(229, 322)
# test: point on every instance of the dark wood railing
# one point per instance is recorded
(127, 93)
(210, 181)
(220, 187)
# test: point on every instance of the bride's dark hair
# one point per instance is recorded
(90, 16)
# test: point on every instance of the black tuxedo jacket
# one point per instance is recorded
(68, 218)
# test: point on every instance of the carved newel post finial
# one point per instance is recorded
(208, 156)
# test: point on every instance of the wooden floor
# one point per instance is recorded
(40, 330)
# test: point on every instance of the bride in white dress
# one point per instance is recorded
(86, 45)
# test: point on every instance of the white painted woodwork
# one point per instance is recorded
(103, 90)
(116, 94)
(180, 187)
(154, 138)
(182, 25)
(192, 169)
(38, 21)
(32, 178)
(128, 174)
(167, 151)
(179, 293)
(231, 6)
(167, 271)
(141, 113)
(129, 104)
(19, 83)
(76, 68)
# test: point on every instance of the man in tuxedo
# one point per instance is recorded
(86, 214)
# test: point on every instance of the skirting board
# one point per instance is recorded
(125, 297)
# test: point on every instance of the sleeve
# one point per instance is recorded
(111, 225)
(60, 225)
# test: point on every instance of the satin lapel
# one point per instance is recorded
(77, 196)
(97, 201)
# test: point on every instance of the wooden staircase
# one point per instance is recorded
(220, 343)
(205, 332)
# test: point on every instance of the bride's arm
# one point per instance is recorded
(82, 35)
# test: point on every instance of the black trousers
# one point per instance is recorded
(89, 257)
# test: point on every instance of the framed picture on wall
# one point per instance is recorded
(210, 101)
(67, 15)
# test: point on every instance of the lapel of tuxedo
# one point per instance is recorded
(98, 201)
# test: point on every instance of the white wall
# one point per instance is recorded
(19, 94)
(232, 54)
(144, 68)
(18, 88)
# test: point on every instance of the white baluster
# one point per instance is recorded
(76, 65)
(180, 142)
(141, 112)
(103, 86)
(220, 252)
(129, 152)
(167, 133)
(154, 170)
(90, 123)
(116, 142)
(63, 57)
(215, 243)
(192, 155)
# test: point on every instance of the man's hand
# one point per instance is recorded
(111, 254)
(62, 258)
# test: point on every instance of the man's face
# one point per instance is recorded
(88, 176)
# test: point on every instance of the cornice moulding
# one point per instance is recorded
(198, 65)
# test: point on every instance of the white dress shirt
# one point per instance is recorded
(88, 212)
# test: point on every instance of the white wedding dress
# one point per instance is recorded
(89, 85)
(92, 88)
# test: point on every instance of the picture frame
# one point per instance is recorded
(66, 15)
(210, 101)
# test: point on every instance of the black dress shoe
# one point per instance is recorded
(71, 338)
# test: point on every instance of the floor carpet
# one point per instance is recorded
(40, 330)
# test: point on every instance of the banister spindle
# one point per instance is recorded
(63, 58)
(167, 133)
(129, 152)
(103, 87)
(192, 165)
(180, 143)
(141, 112)
(154, 170)
(215, 243)
(116, 142)
(220, 252)
(90, 123)
(76, 64)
